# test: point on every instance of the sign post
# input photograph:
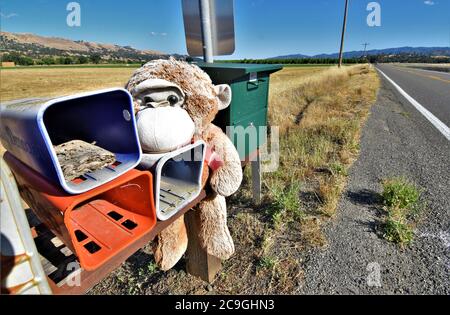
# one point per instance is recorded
(209, 28)
(205, 16)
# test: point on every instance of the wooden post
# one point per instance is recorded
(256, 178)
(198, 262)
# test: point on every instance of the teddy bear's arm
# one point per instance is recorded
(227, 179)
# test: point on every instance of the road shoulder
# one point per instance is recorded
(396, 141)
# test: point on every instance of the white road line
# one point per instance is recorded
(431, 118)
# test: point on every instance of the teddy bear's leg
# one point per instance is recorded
(171, 244)
(214, 235)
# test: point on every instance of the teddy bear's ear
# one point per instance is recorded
(223, 92)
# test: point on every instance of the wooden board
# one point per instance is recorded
(78, 158)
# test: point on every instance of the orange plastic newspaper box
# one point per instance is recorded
(95, 225)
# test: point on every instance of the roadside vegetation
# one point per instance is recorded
(320, 122)
(320, 112)
(401, 200)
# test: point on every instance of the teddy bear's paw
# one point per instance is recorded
(170, 245)
(226, 180)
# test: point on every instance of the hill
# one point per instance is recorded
(39, 47)
(424, 51)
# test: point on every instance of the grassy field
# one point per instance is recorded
(306, 65)
(21, 82)
(24, 83)
(85, 66)
(320, 112)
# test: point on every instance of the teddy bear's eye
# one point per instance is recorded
(173, 99)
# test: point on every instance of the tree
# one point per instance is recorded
(60, 60)
(48, 61)
(83, 60)
(96, 58)
(68, 61)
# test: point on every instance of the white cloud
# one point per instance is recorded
(429, 2)
(8, 16)
(158, 34)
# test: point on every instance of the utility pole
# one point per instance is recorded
(344, 26)
(365, 49)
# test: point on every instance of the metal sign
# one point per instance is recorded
(220, 21)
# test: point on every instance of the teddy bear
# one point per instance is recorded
(175, 103)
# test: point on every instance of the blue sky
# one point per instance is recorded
(264, 28)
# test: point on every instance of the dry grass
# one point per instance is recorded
(320, 119)
(320, 112)
(25, 83)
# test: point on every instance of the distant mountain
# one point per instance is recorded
(426, 51)
(36, 46)
(293, 56)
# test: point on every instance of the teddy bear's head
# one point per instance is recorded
(173, 101)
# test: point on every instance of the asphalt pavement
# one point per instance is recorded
(430, 88)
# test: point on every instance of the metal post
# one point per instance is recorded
(344, 26)
(256, 179)
(205, 15)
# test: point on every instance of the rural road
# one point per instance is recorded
(430, 88)
(397, 140)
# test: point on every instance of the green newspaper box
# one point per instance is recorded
(250, 87)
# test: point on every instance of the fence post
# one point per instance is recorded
(198, 262)
(256, 178)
